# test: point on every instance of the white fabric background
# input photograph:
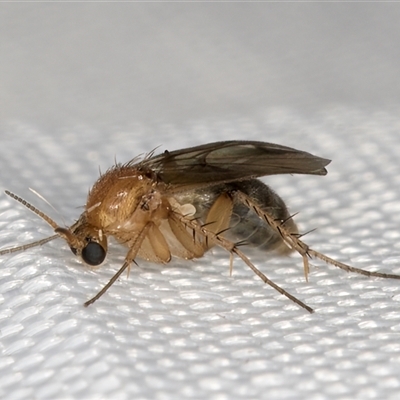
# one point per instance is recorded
(83, 84)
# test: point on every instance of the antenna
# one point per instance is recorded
(41, 215)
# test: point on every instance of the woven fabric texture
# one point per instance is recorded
(188, 329)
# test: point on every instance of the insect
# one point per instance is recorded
(184, 202)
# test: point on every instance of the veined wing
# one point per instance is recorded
(222, 162)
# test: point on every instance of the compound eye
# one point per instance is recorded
(93, 253)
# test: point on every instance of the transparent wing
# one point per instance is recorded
(222, 162)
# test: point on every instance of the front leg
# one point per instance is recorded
(130, 257)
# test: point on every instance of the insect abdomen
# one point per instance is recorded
(245, 224)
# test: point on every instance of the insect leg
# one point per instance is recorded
(130, 257)
(293, 241)
(218, 239)
(220, 213)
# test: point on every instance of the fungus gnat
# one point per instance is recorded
(184, 202)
